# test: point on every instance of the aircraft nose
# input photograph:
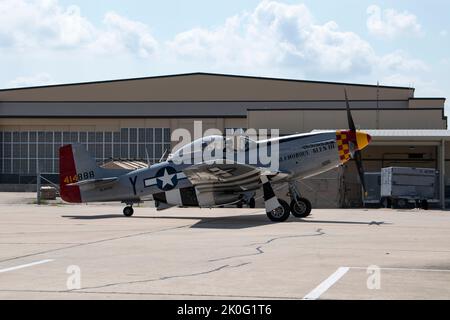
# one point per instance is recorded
(363, 139)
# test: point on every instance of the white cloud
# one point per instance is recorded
(31, 80)
(28, 24)
(46, 25)
(399, 61)
(280, 35)
(445, 61)
(275, 39)
(390, 23)
(122, 34)
(286, 38)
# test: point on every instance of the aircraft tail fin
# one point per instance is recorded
(75, 165)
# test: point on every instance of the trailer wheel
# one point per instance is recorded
(400, 204)
(424, 204)
(386, 203)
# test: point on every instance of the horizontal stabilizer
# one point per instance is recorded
(95, 183)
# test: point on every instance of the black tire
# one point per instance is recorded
(401, 204)
(281, 213)
(300, 208)
(386, 203)
(128, 211)
(252, 203)
(424, 204)
(239, 205)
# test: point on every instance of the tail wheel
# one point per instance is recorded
(300, 208)
(128, 211)
(281, 213)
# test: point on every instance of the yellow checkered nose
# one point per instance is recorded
(362, 140)
(358, 141)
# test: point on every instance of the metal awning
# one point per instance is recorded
(409, 134)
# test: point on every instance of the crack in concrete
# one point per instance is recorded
(166, 277)
(94, 242)
(80, 291)
(259, 249)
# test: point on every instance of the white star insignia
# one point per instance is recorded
(166, 178)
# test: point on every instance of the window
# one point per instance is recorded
(23, 152)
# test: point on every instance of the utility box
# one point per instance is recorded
(403, 185)
(373, 188)
(48, 193)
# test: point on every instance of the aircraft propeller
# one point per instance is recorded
(356, 154)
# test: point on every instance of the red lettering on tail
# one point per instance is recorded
(68, 175)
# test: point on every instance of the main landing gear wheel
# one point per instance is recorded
(128, 211)
(279, 214)
(300, 208)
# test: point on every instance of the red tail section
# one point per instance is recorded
(68, 175)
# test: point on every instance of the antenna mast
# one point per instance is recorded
(378, 106)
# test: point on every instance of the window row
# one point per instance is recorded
(125, 135)
(26, 152)
(97, 150)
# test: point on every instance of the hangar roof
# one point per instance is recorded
(196, 87)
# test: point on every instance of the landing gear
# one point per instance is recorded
(128, 211)
(277, 210)
(279, 214)
(252, 203)
(300, 207)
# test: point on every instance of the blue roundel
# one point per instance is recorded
(166, 178)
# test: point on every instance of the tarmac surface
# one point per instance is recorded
(60, 251)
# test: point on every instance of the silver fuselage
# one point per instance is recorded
(300, 156)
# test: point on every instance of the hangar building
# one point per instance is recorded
(122, 118)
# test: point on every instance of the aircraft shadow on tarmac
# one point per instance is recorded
(227, 222)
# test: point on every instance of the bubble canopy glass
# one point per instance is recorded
(216, 142)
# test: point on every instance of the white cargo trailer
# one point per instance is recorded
(403, 186)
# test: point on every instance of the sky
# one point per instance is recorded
(402, 42)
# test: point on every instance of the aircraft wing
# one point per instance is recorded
(95, 183)
(231, 177)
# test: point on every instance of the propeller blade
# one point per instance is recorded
(351, 124)
(359, 166)
(357, 154)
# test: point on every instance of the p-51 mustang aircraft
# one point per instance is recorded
(215, 183)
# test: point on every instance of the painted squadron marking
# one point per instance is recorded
(166, 179)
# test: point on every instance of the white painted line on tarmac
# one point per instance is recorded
(405, 269)
(326, 284)
(25, 265)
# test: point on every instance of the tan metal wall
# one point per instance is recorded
(205, 87)
(291, 121)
